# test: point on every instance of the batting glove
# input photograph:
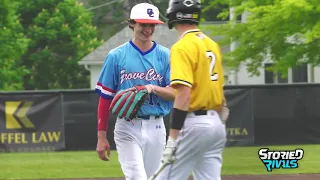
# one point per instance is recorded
(169, 152)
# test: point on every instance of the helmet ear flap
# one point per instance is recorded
(170, 25)
(171, 20)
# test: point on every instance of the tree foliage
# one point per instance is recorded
(211, 11)
(61, 33)
(283, 32)
(13, 45)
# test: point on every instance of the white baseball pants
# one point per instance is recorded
(199, 150)
(140, 146)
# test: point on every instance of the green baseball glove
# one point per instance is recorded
(127, 103)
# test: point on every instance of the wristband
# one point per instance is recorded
(177, 119)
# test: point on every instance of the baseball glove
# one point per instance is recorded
(126, 103)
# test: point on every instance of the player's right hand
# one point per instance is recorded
(169, 152)
(103, 146)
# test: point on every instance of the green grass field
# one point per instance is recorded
(85, 164)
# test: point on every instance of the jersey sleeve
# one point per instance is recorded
(168, 69)
(167, 76)
(108, 80)
(181, 68)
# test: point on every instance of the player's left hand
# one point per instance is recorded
(169, 152)
(149, 87)
(224, 114)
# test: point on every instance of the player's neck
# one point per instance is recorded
(182, 28)
(142, 45)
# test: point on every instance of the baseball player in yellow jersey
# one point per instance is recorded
(197, 135)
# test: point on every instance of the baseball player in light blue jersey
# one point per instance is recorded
(140, 61)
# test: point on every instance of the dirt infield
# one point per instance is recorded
(239, 177)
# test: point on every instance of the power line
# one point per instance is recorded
(163, 17)
(102, 5)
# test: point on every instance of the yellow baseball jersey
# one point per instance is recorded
(196, 61)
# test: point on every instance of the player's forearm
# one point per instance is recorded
(103, 116)
(166, 93)
(102, 134)
(174, 133)
(182, 99)
(180, 110)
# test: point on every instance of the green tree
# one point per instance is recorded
(61, 33)
(211, 11)
(13, 45)
(284, 32)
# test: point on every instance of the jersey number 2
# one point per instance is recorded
(212, 57)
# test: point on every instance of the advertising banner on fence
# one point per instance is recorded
(31, 122)
(240, 122)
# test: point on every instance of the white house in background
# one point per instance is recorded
(302, 74)
(93, 62)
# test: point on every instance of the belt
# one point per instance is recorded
(200, 112)
(148, 117)
(204, 112)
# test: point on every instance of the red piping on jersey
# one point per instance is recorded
(103, 113)
(105, 88)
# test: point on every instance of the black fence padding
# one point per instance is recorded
(259, 115)
(287, 115)
(80, 117)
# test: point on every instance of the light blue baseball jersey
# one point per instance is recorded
(127, 66)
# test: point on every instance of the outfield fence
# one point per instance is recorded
(66, 119)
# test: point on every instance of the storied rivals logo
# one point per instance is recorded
(287, 159)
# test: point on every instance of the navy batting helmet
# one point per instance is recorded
(186, 11)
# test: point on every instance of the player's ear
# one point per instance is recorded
(131, 23)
